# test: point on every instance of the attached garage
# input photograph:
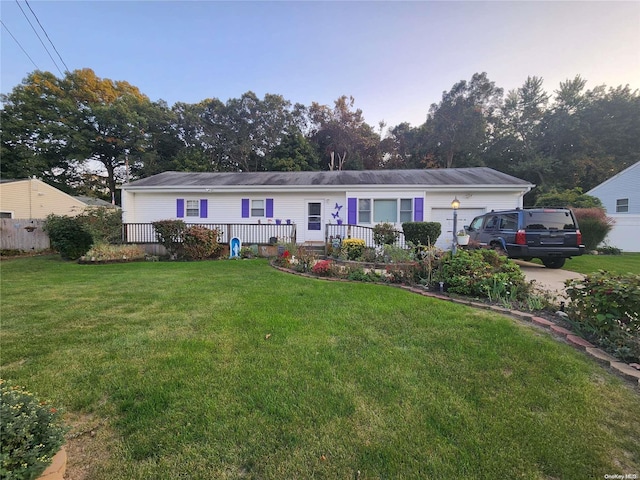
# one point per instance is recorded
(444, 216)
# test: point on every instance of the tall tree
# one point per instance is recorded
(35, 142)
(78, 118)
(458, 125)
(516, 144)
(342, 138)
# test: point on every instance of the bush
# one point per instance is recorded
(201, 242)
(109, 253)
(169, 234)
(567, 198)
(397, 254)
(68, 236)
(323, 268)
(422, 233)
(609, 250)
(104, 224)
(357, 274)
(304, 260)
(352, 248)
(594, 226)
(483, 273)
(30, 434)
(385, 234)
(606, 308)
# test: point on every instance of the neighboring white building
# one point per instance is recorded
(310, 200)
(620, 196)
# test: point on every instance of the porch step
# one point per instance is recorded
(314, 247)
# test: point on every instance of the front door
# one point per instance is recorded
(314, 222)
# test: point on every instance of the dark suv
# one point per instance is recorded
(550, 234)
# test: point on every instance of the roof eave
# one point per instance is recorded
(325, 188)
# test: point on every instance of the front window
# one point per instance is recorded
(622, 205)
(257, 208)
(193, 208)
(364, 210)
(6, 215)
(406, 210)
(385, 211)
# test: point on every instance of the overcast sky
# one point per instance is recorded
(394, 58)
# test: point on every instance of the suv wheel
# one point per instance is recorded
(553, 262)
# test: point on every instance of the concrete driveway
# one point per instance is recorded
(548, 279)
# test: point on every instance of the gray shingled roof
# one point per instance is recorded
(434, 177)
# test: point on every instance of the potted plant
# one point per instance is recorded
(462, 237)
(31, 434)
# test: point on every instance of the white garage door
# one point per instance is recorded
(445, 217)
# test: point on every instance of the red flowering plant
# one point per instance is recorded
(323, 268)
(284, 259)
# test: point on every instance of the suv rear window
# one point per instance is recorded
(549, 220)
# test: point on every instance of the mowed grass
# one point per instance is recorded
(232, 369)
(623, 264)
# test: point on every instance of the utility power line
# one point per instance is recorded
(21, 47)
(47, 35)
(37, 35)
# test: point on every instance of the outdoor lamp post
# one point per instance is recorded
(455, 205)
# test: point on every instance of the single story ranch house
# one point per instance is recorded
(311, 207)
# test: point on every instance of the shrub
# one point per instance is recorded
(397, 254)
(385, 234)
(352, 248)
(422, 233)
(169, 234)
(609, 250)
(357, 274)
(567, 198)
(323, 268)
(483, 273)
(31, 433)
(201, 242)
(606, 307)
(68, 236)
(305, 260)
(284, 259)
(594, 225)
(104, 224)
(106, 253)
(401, 273)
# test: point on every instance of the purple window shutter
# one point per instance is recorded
(245, 208)
(269, 212)
(180, 208)
(352, 211)
(203, 208)
(418, 209)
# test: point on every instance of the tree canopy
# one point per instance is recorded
(86, 134)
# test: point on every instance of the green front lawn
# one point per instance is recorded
(625, 263)
(232, 369)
